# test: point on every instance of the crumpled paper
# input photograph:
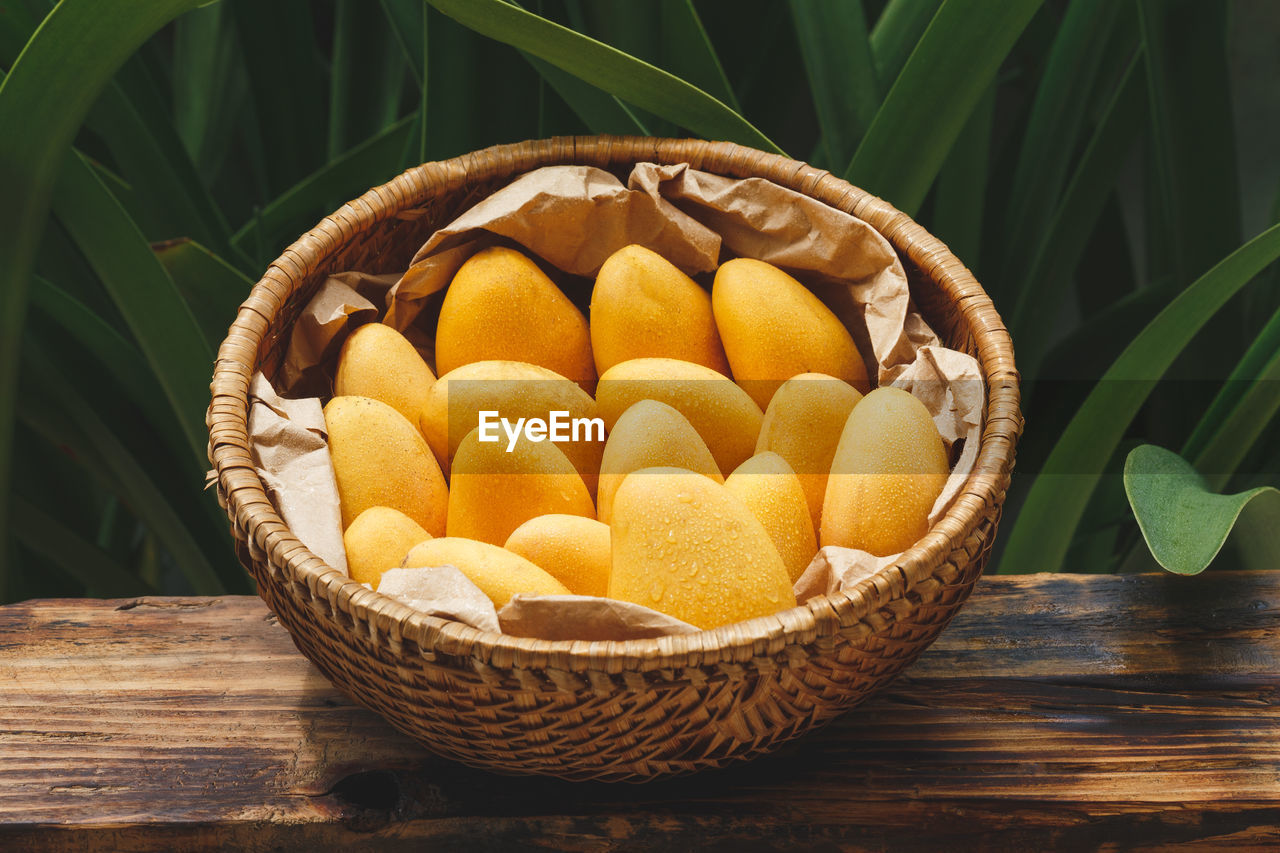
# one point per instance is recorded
(291, 451)
(343, 301)
(441, 591)
(573, 218)
(584, 617)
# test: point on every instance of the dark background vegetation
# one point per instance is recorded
(1089, 160)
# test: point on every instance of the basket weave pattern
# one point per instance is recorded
(629, 710)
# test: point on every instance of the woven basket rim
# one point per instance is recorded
(386, 620)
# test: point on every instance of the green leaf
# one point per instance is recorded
(1246, 403)
(159, 318)
(1054, 125)
(943, 80)
(688, 53)
(370, 163)
(211, 287)
(406, 19)
(896, 33)
(43, 101)
(286, 83)
(630, 79)
(1196, 211)
(53, 406)
(83, 560)
(152, 159)
(960, 203)
(209, 85)
(837, 58)
(366, 78)
(1057, 499)
(599, 111)
(113, 351)
(1042, 290)
(1184, 523)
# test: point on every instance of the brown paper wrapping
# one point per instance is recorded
(342, 302)
(441, 591)
(573, 218)
(582, 617)
(292, 455)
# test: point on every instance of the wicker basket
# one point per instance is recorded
(629, 710)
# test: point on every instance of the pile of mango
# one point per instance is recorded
(740, 438)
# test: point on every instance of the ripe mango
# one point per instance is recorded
(688, 547)
(380, 459)
(574, 550)
(719, 410)
(498, 573)
(493, 492)
(803, 425)
(516, 390)
(889, 468)
(774, 328)
(650, 435)
(377, 361)
(501, 306)
(643, 307)
(771, 490)
(377, 541)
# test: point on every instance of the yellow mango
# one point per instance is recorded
(803, 425)
(501, 306)
(516, 390)
(377, 361)
(498, 573)
(574, 550)
(889, 468)
(379, 459)
(688, 547)
(643, 307)
(719, 410)
(650, 435)
(493, 492)
(771, 490)
(774, 328)
(377, 540)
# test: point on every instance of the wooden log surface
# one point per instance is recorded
(1071, 711)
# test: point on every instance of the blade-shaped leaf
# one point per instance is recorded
(599, 111)
(43, 100)
(209, 84)
(1196, 217)
(210, 286)
(628, 78)
(152, 159)
(1184, 523)
(366, 78)
(959, 206)
(914, 129)
(1042, 291)
(1054, 505)
(83, 560)
(896, 33)
(286, 84)
(52, 406)
(159, 318)
(837, 58)
(1247, 402)
(370, 163)
(1054, 125)
(113, 351)
(688, 53)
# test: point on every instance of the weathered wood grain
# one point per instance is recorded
(1066, 711)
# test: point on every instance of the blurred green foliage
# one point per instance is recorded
(1098, 163)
